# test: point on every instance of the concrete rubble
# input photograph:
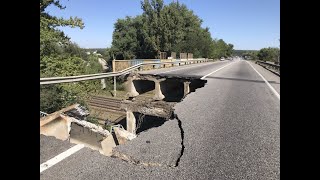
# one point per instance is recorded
(59, 125)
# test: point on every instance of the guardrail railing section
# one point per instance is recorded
(126, 64)
(270, 66)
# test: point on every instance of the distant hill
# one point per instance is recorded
(240, 52)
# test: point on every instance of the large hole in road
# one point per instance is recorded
(144, 122)
(148, 112)
(143, 86)
(173, 88)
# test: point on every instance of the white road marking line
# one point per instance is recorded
(179, 69)
(272, 89)
(46, 165)
(216, 70)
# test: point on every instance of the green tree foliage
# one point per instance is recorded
(60, 57)
(269, 54)
(50, 37)
(220, 49)
(164, 28)
(250, 54)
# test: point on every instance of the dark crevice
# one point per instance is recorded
(248, 80)
(115, 138)
(182, 139)
(148, 122)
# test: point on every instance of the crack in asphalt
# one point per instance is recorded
(131, 160)
(182, 139)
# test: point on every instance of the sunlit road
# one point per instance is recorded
(231, 130)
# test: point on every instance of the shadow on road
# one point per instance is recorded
(248, 80)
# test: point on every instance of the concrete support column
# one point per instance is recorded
(131, 90)
(131, 122)
(186, 88)
(158, 94)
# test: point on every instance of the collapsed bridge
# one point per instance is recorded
(166, 91)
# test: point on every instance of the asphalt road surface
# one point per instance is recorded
(230, 129)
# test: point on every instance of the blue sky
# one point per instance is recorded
(247, 24)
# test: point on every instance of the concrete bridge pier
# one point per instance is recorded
(131, 90)
(186, 88)
(158, 93)
(131, 122)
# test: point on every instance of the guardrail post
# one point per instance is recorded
(103, 83)
(115, 86)
(114, 78)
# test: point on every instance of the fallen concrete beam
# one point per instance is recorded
(91, 126)
(123, 136)
(107, 146)
(52, 116)
(153, 108)
(59, 126)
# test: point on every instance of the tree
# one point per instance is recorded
(60, 57)
(269, 54)
(229, 50)
(49, 36)
(162, 28)
(125, 38)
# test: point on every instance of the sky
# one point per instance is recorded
(247, 24)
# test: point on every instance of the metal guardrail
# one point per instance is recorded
(56, 80)
(272, 67)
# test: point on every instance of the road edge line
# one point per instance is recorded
(51, 162)
(272, 89)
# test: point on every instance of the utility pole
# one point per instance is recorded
(114, 77)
